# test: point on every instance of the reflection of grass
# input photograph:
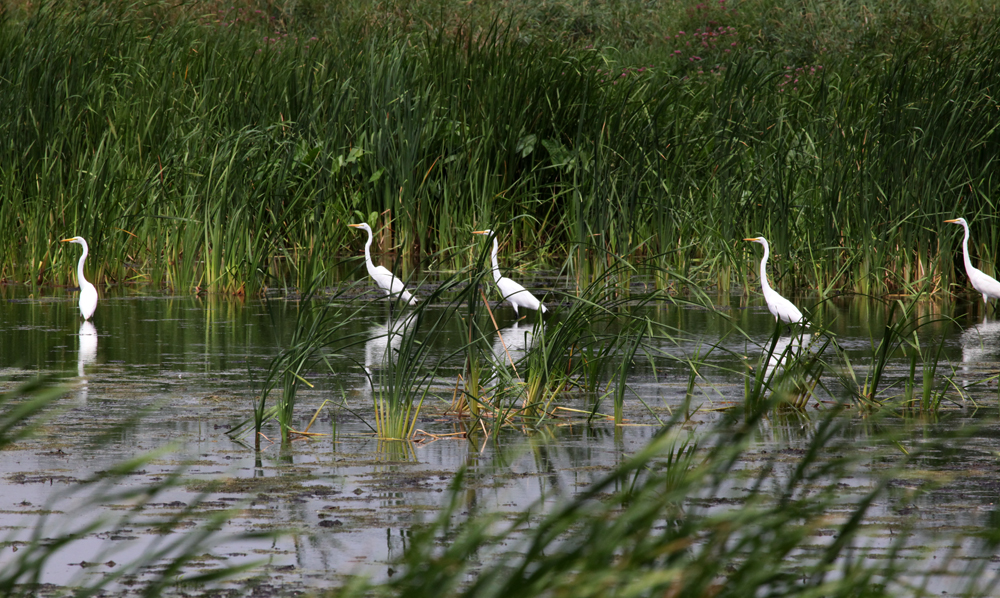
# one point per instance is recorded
(577, 347)
(899, 337)
(317, 329)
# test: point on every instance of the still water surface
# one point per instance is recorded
(190, 367)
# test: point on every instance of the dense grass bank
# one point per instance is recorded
(227, 146)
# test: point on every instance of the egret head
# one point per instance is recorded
(77, 240)
(760, 240)
(482, 232)
(363, 226)
(958, 221)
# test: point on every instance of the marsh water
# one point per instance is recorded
(169, 373)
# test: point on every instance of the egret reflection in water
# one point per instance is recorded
(86, 356)
(512, 343)
(383, 341)
(980, 345)
(787, 350)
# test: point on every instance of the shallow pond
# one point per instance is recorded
(174, 373)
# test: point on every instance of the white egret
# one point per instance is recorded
(514, 293)
(781, 308)
(981, 281)
(88, 293)
(392, 286)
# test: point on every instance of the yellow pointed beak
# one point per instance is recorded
(752, 239)
(64, 240)
(354, 225)
(479, 232)
(952, 221)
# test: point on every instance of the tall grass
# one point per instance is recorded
(223, 151)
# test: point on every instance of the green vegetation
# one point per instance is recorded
(223, 146)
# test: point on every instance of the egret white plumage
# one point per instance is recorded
(981, 281)
(512, 292)
(781, 308)
(88, 293)
(392, 286)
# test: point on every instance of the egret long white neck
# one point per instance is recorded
(965, 249)
(496, 266)
(79, 265)
(368, 255)
(763, 267)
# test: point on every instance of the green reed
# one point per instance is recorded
(319, 329)
(219, 151)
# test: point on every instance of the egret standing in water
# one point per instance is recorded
(781, 308)
(981, 281)
(392, 286)
(517, 295)
(88, 294)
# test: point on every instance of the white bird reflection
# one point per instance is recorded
(980, 345)
(86, 355)
(786, 350)
(512, 343)
(383, 341)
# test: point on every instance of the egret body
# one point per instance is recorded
(392, 286)
(88, 293)
(981, 281)
(781, 308)
(512, 292)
